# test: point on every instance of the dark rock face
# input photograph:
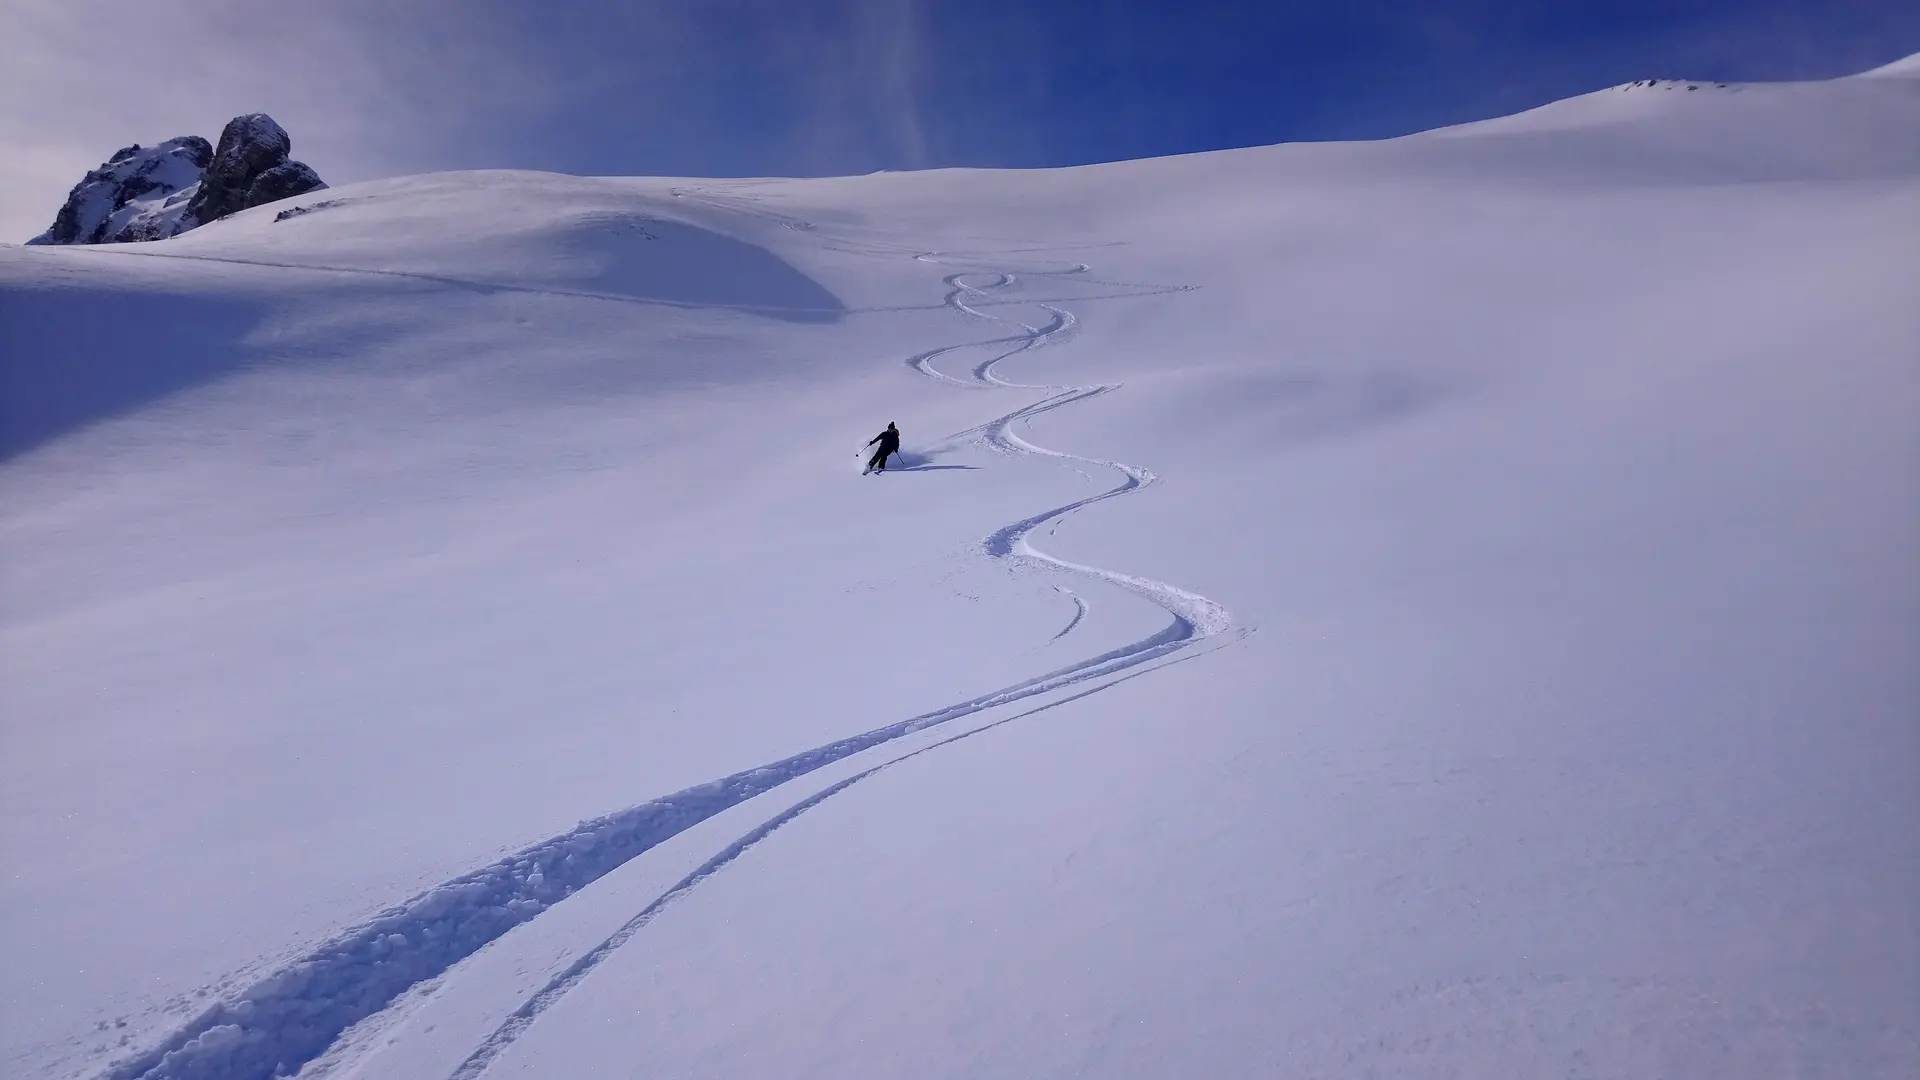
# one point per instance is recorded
(165, 190)
(249, 146)
(283, 181)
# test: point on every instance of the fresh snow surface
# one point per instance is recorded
(1444, 607)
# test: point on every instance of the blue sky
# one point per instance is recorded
(794, 87)
(849, 87)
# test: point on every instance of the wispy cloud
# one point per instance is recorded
(822, 86)
(902, 51)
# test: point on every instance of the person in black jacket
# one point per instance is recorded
(889, 441)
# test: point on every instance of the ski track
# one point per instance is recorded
(1079, 612)
(1201, 616)
(291, 1016)
(522, 1018)
(1194, 619)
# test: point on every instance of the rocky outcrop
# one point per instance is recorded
(133, 183)
(283, 181)
(250, 146)
(181, 184)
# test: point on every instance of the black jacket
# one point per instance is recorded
(889, 441)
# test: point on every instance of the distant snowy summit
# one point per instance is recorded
(151, 193)
(1674, 84)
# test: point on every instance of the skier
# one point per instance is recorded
(889, 441)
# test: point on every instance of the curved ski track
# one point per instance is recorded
(1201, 617)
(294, 1014)
(1079, 612)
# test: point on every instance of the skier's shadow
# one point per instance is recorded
(908, 461)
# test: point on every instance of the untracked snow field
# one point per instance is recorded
(1442, 607)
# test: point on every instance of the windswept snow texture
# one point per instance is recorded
(1439, 607)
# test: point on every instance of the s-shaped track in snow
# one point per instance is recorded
(1195, 617)
(294, 1014)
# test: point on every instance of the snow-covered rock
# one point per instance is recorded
(130, 186)
(180, 184)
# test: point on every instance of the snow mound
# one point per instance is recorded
(564, 235)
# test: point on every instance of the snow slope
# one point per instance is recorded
(1440, 607)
